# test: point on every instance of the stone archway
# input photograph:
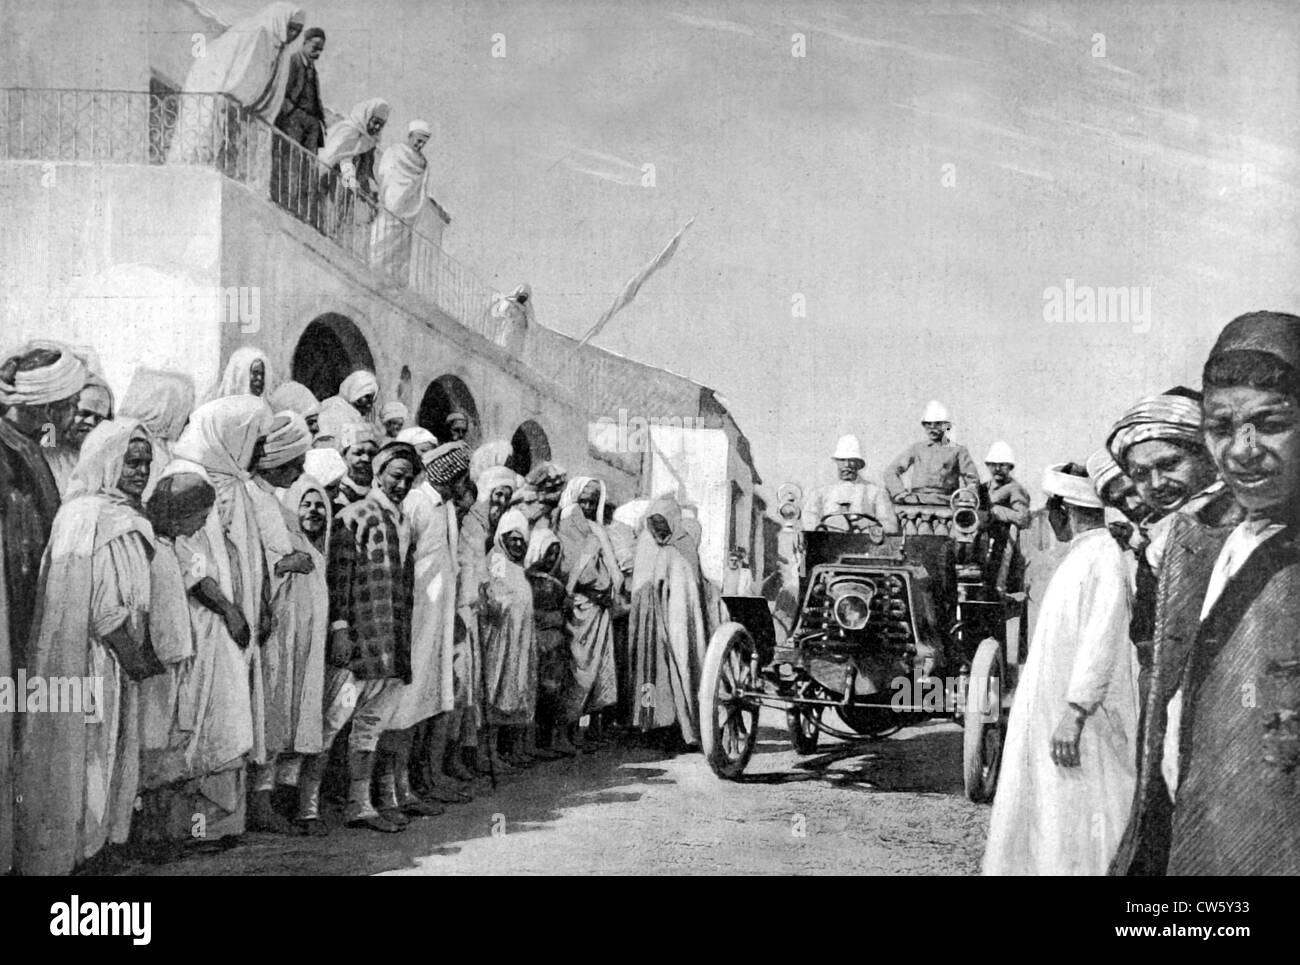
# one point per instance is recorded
(328, 351)
(447, 394)
(529, 447)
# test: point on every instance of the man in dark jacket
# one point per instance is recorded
(302, 119)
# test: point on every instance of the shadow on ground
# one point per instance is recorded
(532, 800)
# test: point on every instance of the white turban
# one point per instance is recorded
(326, 466)
(356, 432)
(296, 397)
(61, 380)
(394, 410)
(359, 383)
(418, 436)
(419, 127)
(494, 478)
(1075, 490)
(288, 439)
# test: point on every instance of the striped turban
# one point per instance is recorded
(1171, 417)
(1103, 470)
(446, 463)
(395, 450)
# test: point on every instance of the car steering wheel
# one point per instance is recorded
(856, 523)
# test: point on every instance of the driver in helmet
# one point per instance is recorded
(938, 467)
(851, 494)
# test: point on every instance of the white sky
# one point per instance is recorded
(1167, 163)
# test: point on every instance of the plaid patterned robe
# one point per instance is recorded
(372, 588)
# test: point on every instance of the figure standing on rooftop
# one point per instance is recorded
(249, 64)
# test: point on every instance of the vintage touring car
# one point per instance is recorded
(886, 631)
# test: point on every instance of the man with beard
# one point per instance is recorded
(1157, 444)
(39, 385)
(457, 426)
(358, 446)
(851, 494)
(94, 405)
(1008, 506)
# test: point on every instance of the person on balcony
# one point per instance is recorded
(403, 191)
(249, 63)
(302, 119)
(349, 157)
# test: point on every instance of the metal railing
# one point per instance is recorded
(216, 131)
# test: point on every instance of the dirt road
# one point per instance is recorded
(890, 807)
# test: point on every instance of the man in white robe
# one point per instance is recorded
(250, 64)
(1068, 770)
(430, 698)
(403, 190)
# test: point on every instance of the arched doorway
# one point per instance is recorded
(331, 348)
(529, 447)
(447, 394)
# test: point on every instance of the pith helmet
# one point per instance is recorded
(1001, 452)
(935, 412)
(848, 448)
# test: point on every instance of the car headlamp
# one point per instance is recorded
(852, 606)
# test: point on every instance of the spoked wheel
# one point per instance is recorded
(804, 733)
(985, 723)
(872, 720)
(728, 721)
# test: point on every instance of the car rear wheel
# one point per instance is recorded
(804, 733)
(985, 723)
(728, 721)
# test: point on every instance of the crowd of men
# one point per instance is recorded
(1156, 725)
(274, 595)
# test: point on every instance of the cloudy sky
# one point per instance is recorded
(924, 180)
